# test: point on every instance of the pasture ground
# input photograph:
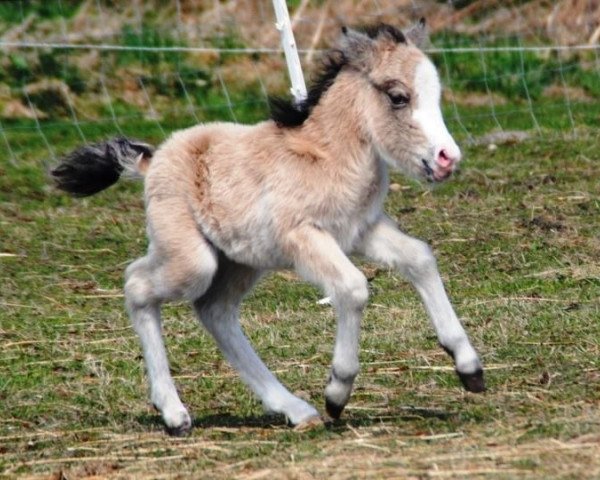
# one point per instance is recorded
(516, 235)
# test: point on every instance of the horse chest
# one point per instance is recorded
(355, 214)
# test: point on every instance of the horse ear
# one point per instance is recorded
(417, 34)
(355, 46)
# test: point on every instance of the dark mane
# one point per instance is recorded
(285, 112)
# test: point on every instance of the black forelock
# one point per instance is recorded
(374, 31)
(286, 113)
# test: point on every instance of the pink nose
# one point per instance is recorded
(445, 160)
(444, 164)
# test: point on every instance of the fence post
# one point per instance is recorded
(291, 52)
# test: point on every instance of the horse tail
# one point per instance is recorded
(93, 168)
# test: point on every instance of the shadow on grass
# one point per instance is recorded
(408, 414)
(363, 419)
(154, 421)
(236, 421)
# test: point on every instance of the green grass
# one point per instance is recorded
(516, 234)
(15, 11)
(518, 74)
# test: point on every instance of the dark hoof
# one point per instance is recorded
(333, 410)
(473, 382)
(182, 430)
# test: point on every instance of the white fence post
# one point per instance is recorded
(291, 52)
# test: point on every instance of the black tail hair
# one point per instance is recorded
(93, 168)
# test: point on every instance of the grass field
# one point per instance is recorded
(517, 238)
(516, 232)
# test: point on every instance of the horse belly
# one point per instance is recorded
(248, 237)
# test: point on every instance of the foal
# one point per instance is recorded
(226, 203)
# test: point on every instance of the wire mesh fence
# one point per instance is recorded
(94, 68)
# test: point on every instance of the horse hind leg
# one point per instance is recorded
(218, 310)
(172, 269)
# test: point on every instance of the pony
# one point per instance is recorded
(226, 203)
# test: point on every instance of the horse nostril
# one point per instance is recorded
(444, 160)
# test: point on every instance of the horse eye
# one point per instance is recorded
(399, 100)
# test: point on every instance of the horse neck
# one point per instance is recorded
(335, 125)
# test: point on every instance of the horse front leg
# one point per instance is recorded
(318, 259)
(387, 245)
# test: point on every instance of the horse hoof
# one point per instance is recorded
(180, 431)
(182, 428)
(333, 410)
(473, 382)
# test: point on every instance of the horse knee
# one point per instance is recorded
(354, 292)
(422, 262)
